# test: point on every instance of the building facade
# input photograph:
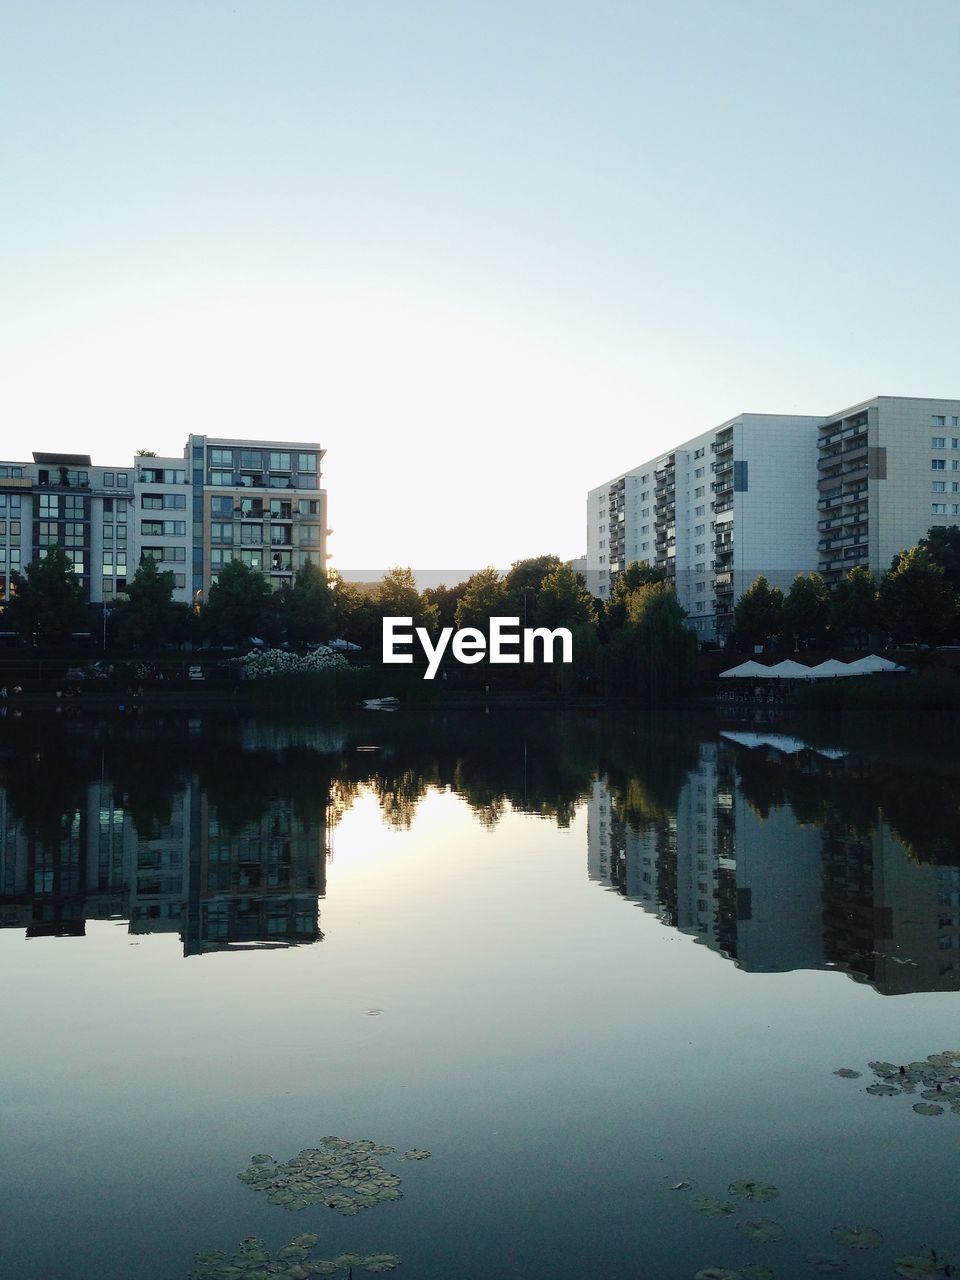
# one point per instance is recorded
(779, 495)
(888, 470)
(259, 502)
(713, 513)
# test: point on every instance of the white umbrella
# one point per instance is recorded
(790, 670)
(745, 670)
(831, 668)
(873, 665)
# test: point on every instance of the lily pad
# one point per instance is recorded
(752, 1190)
(858, 1237)
(755, 1271)
(882, 1090)
(767, 1231)
(927, 1109)
(713, 1207)
(416, 1154)
(716, 1273)
(883, 1068)
(380, 1262)
(847, 1073)
(918, 1267)
(826, 1263)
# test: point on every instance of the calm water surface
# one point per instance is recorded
(578, 958)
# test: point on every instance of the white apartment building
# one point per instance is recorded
(714, 512)
(257, 501)
(888, 470)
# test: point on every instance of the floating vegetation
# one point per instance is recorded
(345, 1176)
(826, 1263)
(680, 1186)
(254, 1262)
(713, 1207)
(923, 1266)
(767, 1231)
(417, 1153)
(752, 1271)
(937, 1077)
(752, 1190)
(858, 1237)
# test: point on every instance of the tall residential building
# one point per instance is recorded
(778, 495)
(255, 501)
(889, 469)
(713, 513)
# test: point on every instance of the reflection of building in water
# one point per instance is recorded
(773, 893)
(184, 873)
(887, 919)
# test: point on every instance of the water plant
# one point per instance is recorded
(253, 1261)
(345, 1176)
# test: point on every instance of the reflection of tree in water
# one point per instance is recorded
(922, 807)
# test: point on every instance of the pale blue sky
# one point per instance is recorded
(487, 253)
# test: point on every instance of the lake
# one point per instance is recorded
(602, 968)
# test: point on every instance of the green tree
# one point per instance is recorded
(445, 601)
(47, 600)
(942, 543)
(805, 615)
(399, 597)
(916, 603)
(853, 606)
(484, 597)
(239, 605)
(757, 616)
(638, 573)
(148, 616)
(523, 581)
(563, 600)
(357, 615)
(653, 654)
(307, 607)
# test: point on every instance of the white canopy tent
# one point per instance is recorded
(831, 669)
(745, 670)
(872, 665)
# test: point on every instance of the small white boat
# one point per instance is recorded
(380, 704)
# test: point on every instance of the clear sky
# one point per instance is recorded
(488, 254)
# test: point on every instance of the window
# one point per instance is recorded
(938, 464)
(175, 555)
(108, 562)
(699, 606)
(938, 420)
(121, 533)
(49, 506)
(251, 460)
(700, 587)
(938, 442)
(221, 478)
(251, 533)
(156, 553)
(175, 502)
(107, 588)
(938, 508)
(221, 457)
(938, 486)
(109, 480)
(47, 533)
(252, 558)
(151, 501)
(700, 548)
(219, 557)
(221, 532)
(698, 531)
(221, 506)
(279, 462)
(306, 462)
(151, 528)
(699, 492)
(121, 480)
(698, 473)
(180, 580)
